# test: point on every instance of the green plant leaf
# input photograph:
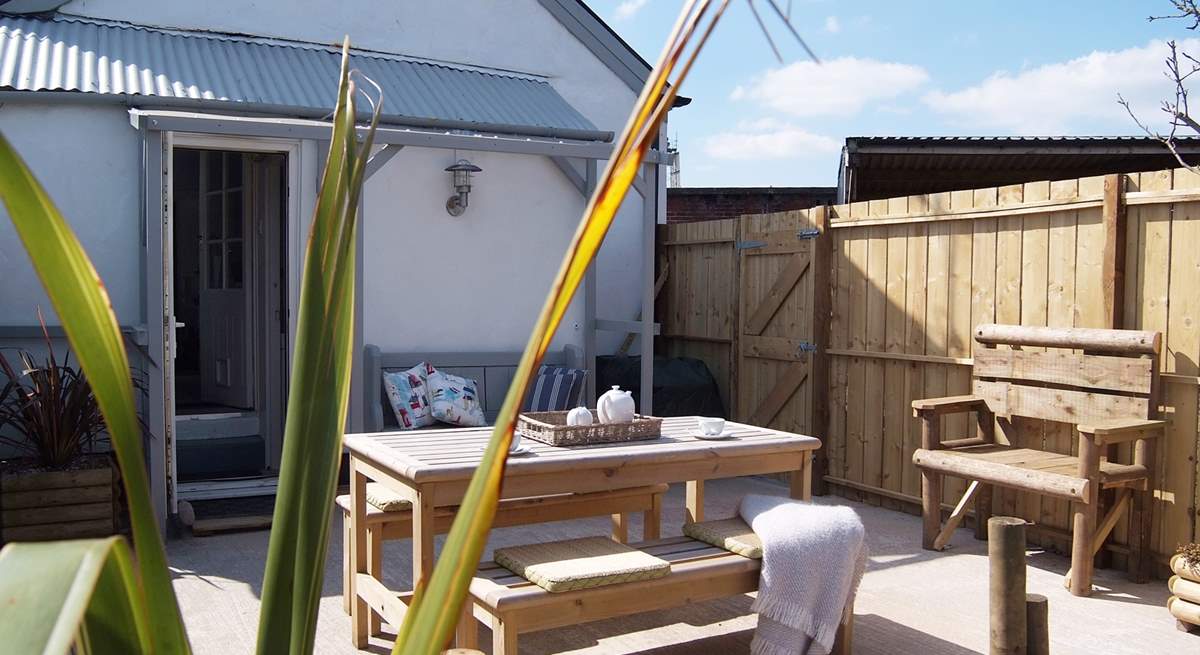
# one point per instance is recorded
(430, 619)
(60, 594)
(83, 306)
(318, 393)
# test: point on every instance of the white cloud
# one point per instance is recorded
(768, 138)
(1070, 97)
(627, 9)
(832, 24)
(838, 87)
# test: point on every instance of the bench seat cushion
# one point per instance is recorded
(573, 564)
(731, 534)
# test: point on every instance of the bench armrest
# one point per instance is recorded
(1122, 430)
(946, 405)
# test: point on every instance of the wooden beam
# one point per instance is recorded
(778, 293)
(822, 320)
(658, 286)
(787, 385)
(1130, 342)
(956, 516)
(1050, 484)
(1113, 216)
(577, 179)
(377, 160)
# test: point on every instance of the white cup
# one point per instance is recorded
(516, 442)
(711, 426)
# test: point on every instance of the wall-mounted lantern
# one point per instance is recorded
(461, 171)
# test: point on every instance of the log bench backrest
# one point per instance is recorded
(1092, 375)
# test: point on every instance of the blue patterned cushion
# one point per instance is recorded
(408, 393)
(556, 388)
(455, 400)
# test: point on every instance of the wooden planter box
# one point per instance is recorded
(45, 505)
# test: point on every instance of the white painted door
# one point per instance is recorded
(226, 281)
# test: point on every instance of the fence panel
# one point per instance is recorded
(906, 281)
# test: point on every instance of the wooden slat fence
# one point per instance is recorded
(908, 278)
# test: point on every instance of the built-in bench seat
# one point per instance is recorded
(510, 604)
(618, 503)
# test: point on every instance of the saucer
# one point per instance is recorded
(712, 437)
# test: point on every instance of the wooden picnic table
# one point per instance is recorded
(432, 469)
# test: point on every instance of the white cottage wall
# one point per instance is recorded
(89, 160)
(476, 282)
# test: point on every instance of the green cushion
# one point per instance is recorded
(583, 563)
(385, 499)
(731, 534)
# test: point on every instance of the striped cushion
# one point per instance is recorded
(731, 534)
(556, 388)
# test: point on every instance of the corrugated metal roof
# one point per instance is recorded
(173, 67)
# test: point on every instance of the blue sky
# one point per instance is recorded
(902, 68)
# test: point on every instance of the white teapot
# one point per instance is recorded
(579, 416)
(616, 406)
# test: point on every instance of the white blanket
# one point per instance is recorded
(813, 559)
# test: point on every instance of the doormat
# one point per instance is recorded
(232, 514)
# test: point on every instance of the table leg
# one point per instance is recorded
(801, 480)
(359, 611)
(620, 528)
(694, 509)
(375, 569)
(422, 536)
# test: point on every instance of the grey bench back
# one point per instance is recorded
(493, 371)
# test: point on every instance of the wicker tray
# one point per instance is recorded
(552, 428)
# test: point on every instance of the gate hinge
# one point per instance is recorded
(748, 245)
(808, 233)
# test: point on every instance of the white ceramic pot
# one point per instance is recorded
(616, 406)
(579, 416)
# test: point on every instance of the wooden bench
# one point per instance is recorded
(619, 504)
(1105, 382)
(510, 604)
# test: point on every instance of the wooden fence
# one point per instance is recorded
(908, 278)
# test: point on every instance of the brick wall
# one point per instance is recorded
(686, 204)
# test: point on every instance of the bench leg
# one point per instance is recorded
(347, 569)
(375, 569)
(652, 519)
(983, 510)
(1084, 519)
(931, 485)
(843, 643)
(1140, 517)
(931, 508)
(359, 611)
(620, 528)
(694, 502)
(504, 638)
(466, 633)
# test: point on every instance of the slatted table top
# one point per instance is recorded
(428, 455)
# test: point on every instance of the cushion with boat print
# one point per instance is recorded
(408, 393)
(455, 400)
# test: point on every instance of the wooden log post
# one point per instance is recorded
(931, 483)
(1037, 625)
(1084, 518)
(1006, 584)
(822, 320)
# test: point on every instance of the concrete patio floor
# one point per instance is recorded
(911, 600)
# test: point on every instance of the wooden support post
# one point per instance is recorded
(652, 519)
(1141, 516)
(1037, 625)
(822, 316)
(620, 528)
(466, 633)
(1113, 217)
(694, 502)
(956, 516)
(1006, 584)
(1084, 519)
(931, 483)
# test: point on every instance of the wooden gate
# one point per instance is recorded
(775, 368)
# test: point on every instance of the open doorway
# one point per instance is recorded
(230, 307)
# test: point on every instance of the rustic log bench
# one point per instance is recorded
(510, 604)
(1105, 382)
(619, 503)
